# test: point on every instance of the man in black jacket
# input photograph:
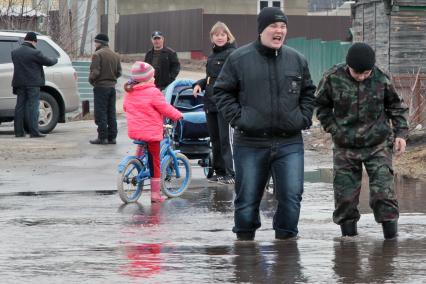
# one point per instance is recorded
(266, 93)
(164, 60)
(28, 77)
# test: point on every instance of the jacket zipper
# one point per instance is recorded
(277, 92)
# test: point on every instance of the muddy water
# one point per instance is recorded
(89, 237)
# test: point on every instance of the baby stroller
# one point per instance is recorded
(190, 135)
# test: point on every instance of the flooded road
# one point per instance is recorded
(91, 237)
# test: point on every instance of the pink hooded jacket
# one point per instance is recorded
(145, 107)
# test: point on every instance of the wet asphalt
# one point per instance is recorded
(62, 222)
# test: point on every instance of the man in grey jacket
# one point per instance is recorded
(104, 72)
(28, 77)
(266, 93)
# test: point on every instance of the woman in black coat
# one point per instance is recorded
(223, 44)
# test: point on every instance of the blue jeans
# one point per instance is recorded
(252, 168)
(27, 108)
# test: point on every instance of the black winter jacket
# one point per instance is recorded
(169, 66)
(265, 93)
(28, 65)
(214, 64)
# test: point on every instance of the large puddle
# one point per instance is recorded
(90, 237)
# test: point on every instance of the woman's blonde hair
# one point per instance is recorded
(220, 26)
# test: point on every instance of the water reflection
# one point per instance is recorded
(364, 263)
(276, 263)
(144, 259)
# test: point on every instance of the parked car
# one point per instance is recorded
(57, 97)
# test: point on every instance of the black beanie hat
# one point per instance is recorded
(268, 16)
(102, 38)
(31, 36)
(361, 57)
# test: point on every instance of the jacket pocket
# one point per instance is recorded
(292, 87)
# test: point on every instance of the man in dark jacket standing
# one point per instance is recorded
(104, 72)
(164, 60)
(28, 77)
(266, 93)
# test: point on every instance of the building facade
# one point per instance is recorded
(396, 31)
(247, 7)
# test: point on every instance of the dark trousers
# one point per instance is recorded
(252, 168)
(377, 161)
(219, 137)
(105, 115)
(27, 108)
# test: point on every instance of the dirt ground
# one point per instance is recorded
(410, 164)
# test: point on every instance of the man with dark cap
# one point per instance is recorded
(164, 60)
(28, 77)
(266, 93)
(104, 72)
(367, 120)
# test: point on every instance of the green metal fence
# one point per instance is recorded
(84, 88)
(321, 55)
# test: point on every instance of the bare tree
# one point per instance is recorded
(65, 26)
(65, 38)
(20, 14)
(85, 26)
(412, 88)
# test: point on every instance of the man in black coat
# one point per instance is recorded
(266, 93)
(28, 77)
(164, 60)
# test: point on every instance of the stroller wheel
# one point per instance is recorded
(207, 165)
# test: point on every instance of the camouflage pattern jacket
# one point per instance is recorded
(360, 114)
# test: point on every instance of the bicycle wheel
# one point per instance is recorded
(129, 189)
(171, 185)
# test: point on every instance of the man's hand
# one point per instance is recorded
(399, 146)
(196, 90)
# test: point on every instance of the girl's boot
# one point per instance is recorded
(155, 190)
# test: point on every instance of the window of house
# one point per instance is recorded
(263, 4)
(269, 3)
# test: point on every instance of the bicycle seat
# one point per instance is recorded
(139, 142)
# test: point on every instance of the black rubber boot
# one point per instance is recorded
(390, 229)
(284, 236)
(245, 236)
(349, 229)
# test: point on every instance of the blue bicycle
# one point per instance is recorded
(133, 171)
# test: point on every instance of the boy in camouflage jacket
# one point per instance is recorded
(367, 119)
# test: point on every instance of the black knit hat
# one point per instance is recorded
(102, 38)
(268, 16)
(361, 57)
(31, 36)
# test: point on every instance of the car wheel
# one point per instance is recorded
(48, 113)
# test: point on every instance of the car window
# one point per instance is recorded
(6, 48)
(46, 49)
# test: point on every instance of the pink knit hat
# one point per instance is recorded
(141, 72)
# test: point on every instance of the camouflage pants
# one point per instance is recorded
(348, 163)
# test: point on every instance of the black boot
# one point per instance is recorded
(349, 229)
(284, 236)
(245, 236)
(390, 229)
(99, 141)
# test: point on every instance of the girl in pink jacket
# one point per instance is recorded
(145, 109)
